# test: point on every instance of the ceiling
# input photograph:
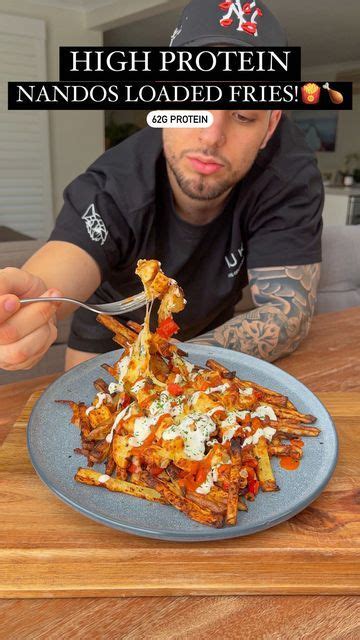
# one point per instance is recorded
(327, 30)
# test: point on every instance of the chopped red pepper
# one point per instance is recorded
(201, 475)
(188, 482)
(174, 389)
(125, 402)
(167, 328)
(254, 486)
(155, 470)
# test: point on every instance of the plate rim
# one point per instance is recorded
(209, 534)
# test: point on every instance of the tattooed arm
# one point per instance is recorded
(285, 299)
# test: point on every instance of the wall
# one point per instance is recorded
(76, 137)
(348, 132)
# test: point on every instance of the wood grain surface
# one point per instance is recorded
(316, 552)
(183, 618)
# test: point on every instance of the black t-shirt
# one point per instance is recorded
(121, 209)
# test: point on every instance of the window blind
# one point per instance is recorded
(25, 179)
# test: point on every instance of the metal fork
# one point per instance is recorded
(109, 309)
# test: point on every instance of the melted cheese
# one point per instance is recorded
(195, 431)
(121, 416)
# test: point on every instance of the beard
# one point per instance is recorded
(201, 187)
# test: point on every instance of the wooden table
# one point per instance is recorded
(329, 360)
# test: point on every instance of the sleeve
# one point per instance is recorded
(286, 228)
(91, 220)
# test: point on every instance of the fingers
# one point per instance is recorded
(26, 352)
(21, 283)
(9, 304)
(16, 321)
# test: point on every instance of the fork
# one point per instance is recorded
(109, 309)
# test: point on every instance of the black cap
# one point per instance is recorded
(212, 22)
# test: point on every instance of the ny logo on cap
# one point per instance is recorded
(245, 12)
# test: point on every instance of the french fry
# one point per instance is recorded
(233, 495)
(264, 470)
(286, 428)
(101, 416)
(100, 452)
(91, 477)
(134, 326)
(99, 433)
(204, 516)
(241, 505)
(207, 502)
(101, 386)
(110, 369)
(213, 364)
(285, 450)
(75, 409)
(110, 465)
(117, 328)
(294, 415)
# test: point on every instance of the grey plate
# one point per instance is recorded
(52, 439)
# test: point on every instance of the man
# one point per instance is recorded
(237, 202)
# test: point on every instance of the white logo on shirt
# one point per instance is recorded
(95, 225)
(234, 261)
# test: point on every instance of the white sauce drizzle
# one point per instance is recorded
(211, 477)
(123, 365)
(174, 405)
(116, 387)
(267, 432)
(140, 384)
(214, 410)
(100, 401)
(220, 389)
(263, 411)
(142, 429)
(246, 392)
(195, 431)
(104, 478)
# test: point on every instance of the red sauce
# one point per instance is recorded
(289, 463)
(297, 442)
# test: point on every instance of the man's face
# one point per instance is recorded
(207, 163)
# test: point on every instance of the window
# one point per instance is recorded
(25, 180)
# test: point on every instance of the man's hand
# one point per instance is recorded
(27, 332)
(285, 300)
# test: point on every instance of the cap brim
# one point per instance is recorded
(213, 40)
